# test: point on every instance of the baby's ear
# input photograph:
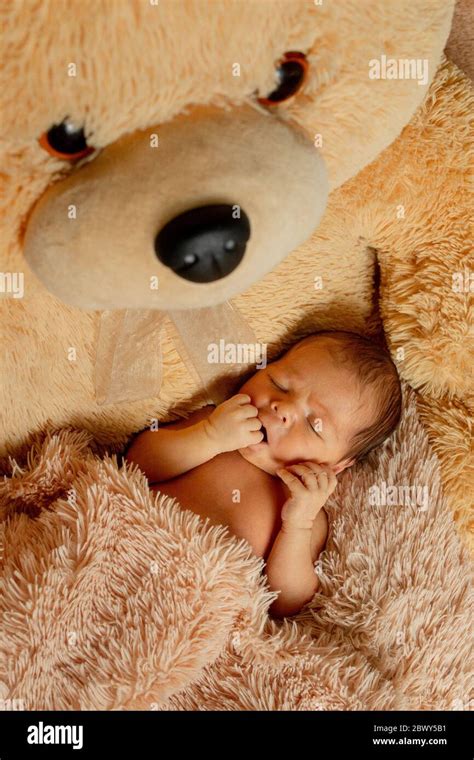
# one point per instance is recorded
(342, 465)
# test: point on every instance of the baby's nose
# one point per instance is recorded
(281, 411)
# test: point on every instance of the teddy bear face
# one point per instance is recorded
(209, 162)
(177, 231)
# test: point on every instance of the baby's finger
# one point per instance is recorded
(327, 472)
(314, 466)
(326, 476)
(257, 436)
(248, 410)
(240, 398)
(253, 424)
(292, 481)
(308, 476)
(302, 469)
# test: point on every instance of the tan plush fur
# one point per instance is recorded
(461, 38)
(88, 623)
(117, 94)
(115, 599)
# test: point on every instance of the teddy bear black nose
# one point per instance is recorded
(205, 243)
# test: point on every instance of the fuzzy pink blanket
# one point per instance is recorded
(113, 598)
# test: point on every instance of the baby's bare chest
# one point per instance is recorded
(230, 491)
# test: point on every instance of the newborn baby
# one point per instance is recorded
(265, 461)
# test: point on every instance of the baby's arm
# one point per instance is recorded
(303, 533)
(163, 454)
(290, 566)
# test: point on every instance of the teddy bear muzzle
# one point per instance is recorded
(185, 214)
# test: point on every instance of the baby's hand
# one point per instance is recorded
(308, 492)
(234, 424)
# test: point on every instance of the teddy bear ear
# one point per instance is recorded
(129, 362)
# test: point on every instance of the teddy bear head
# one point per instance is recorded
(168, 154)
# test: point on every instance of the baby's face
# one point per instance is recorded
(310, 408)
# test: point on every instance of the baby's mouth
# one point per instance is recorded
(263, 430)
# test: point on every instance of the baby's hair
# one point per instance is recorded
(373, 365)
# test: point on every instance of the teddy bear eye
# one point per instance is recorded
(66, 141)
(291, 73)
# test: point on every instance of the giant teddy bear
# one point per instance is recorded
(180, 172)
